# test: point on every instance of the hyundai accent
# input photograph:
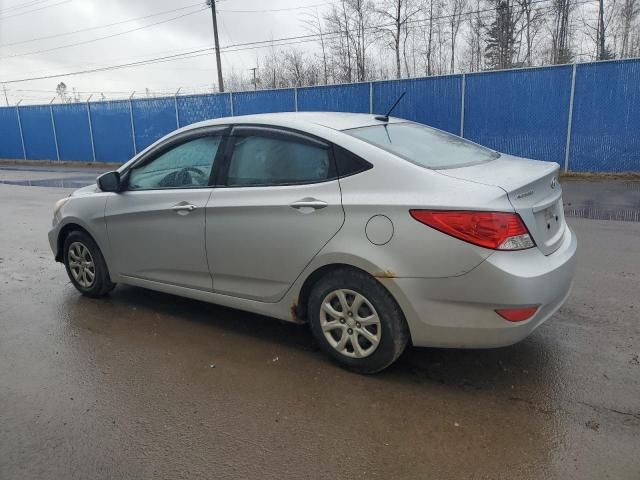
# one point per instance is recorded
(375, 231)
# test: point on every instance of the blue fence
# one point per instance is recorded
(586, 117)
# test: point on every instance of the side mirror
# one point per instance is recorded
(109, 182)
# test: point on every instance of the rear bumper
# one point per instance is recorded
(459, 311)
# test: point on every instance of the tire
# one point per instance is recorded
(85, 265)
(385, 340)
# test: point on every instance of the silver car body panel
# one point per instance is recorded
(154, 241)
(258, 242)
(260, 251)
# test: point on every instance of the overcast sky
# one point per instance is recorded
(42, 18)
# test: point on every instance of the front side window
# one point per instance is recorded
(424, 146)
(187, 165)
(260, 161)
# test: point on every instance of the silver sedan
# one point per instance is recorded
(375, 231)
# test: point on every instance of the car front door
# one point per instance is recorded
(278, 205)
(156, 225)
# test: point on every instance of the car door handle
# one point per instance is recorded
(313, 203)
(183, 208)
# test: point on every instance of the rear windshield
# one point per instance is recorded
(425, 146)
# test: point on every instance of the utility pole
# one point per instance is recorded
(6, 99)
(255, 84)
(212, 4)
(600, 33)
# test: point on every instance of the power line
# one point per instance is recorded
(35, 9)
(23, 5)
(101, 69)
(274, 10)
(247, 46)
(98, 26)
(104, 37)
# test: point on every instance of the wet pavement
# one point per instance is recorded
(49, 176)
(149, 385)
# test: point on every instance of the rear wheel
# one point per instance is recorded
(85, 265)
(356, 321)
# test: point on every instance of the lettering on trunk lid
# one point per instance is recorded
(524, 194)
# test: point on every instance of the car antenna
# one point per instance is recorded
(385, 118)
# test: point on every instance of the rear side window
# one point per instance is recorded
(424, 146)
(349, 163)
(260, 161)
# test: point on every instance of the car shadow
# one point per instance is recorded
(530, 362)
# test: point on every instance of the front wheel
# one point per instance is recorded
(356, 321)
(85, 265)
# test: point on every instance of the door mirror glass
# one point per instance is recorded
(109, 182)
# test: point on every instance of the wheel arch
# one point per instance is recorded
(300, 308)
(64, 232)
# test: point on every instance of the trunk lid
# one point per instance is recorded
(533, 189)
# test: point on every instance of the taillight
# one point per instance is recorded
(495, 230)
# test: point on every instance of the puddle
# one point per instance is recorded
(77, 182)
(58, 170)
(600, 213)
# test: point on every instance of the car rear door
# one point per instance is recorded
(156, 225)
(278, 204)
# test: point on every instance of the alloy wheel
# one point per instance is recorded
(350, 323)
(81, 264)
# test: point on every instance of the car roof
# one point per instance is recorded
(333, 120)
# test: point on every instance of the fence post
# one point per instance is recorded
(370, 97)
(175, 102)
(24, 150)
(295, 98)
(133, 128)
(93, 147)
(231, 102)
(464, 89)
(567, 147)
(53, 125)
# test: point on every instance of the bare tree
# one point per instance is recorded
(628, 13)
(396, 13)
(294, 67)
(370, 39)
(337, 22)
(455, 14)
(560, 34)
(474, 38)
(271, 74)
(315, 26)
(432, 9)
(597, 29)
(61, 91)
(532, 17)
(363, 13)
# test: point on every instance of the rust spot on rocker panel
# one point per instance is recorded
(294, 312)
(385, 274)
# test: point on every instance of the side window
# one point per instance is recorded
(263, 161)
(349, 163)
(183, 166)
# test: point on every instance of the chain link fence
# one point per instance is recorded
(586, 117)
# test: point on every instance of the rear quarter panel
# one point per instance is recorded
(392, 188)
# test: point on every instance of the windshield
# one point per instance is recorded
(424, 146)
